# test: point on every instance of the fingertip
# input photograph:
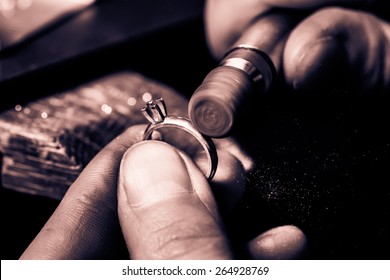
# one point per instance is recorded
(322, 67)
(146, 169)
(284, 242)
(315, 65)
(228, 183)
(160, 211)
(315, 56)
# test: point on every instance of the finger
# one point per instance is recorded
(336, 45)
(165, 206)
(269, 33)
(228, 184)
(226, 21)
(284, 242)
(310, 4)
(83, 225)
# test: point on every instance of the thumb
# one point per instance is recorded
(165, 206)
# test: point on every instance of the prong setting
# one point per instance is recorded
(155, 111)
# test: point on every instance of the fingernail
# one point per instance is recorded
(152, 171)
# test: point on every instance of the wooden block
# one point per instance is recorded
(46, 144)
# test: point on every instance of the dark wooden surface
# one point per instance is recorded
(322, 161)
(45, 144)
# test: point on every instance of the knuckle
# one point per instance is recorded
(182, 241)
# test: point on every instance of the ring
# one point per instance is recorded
(156, 113)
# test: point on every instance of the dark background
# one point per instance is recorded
(322, 160)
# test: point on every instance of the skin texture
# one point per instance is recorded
(170, 213)
(173, 212)
(330, 43)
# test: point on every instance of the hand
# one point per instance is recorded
(331, 45)
(165, 206)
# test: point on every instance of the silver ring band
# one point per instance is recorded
(155, 111)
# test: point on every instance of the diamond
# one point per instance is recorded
(155, 111)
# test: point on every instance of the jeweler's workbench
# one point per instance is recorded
(46, 144)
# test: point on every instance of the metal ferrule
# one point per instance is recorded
(244, 65)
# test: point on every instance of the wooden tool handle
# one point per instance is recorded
(215, 103)
(248, 68)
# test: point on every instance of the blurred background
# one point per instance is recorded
(322, 162)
